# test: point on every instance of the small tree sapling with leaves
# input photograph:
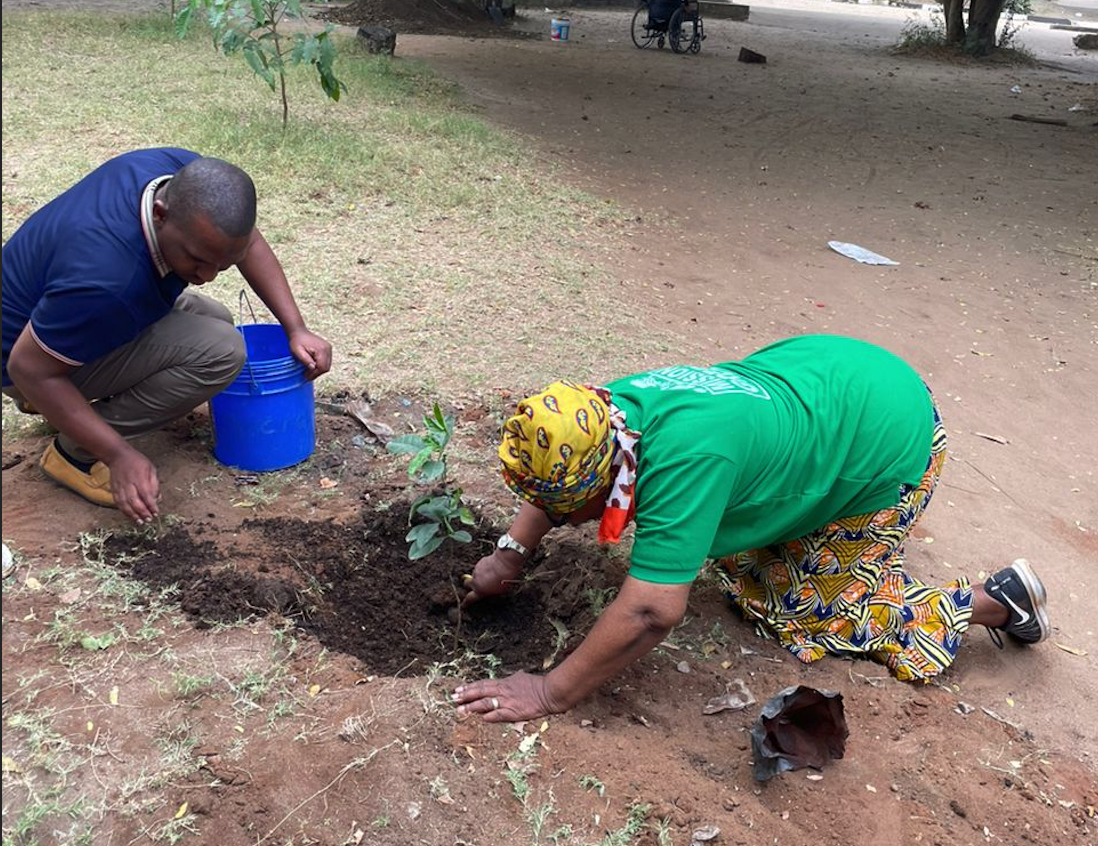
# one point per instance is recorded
(252, 27)
(438, 515)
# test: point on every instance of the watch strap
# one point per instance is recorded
(507, 542)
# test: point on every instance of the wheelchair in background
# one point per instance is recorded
(674, 22)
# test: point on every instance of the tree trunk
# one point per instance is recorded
(954, 21)
(983, 17)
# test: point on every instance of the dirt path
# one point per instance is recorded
(992, 221)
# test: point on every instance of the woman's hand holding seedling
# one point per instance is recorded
(495, 575)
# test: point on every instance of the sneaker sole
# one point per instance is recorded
(1037, 597)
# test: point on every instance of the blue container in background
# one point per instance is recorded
(266, 419)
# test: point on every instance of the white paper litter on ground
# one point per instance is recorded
(859, 254)
(731, 700)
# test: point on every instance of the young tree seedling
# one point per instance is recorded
(438, 515)
(255, 29)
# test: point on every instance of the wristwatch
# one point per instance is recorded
(507, 542)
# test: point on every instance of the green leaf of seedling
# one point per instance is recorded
(436, 420)
(431, 471)
(257, 61)
(330, 85)
(216, 19)
(440, 425)
(234, 41)
(416, 464)
(183, 20)
(422, 533)
(326, 60)
(422, 550)
(93, 643)
(437, 508)
(406, 444)
(413, 510)
(465, 515)
(306, 50)
(461, 536)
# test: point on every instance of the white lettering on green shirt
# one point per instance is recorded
(701, 380)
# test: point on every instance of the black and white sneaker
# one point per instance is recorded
(1018, 588)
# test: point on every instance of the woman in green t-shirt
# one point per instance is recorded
(800, 470)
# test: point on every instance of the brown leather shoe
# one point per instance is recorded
(94, 486)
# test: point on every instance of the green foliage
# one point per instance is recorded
(918, 35)
(1010, 28)
(93, 643)
(187, 685)
(590, 782)
(252, 28)
(429, 461)
(634, 825)
(520, 786)
(599, 598)
(438, 515)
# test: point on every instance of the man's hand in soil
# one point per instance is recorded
(519, 697)
(495, 575)
(134, 485)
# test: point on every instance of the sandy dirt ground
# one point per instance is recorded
(744, 173)
(756, 167)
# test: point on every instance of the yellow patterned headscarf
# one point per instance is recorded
(557, 450)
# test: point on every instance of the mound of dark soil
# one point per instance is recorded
(354, 588)
(421, 16)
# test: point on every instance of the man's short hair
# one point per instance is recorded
(217, 190)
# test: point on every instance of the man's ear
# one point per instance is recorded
(159, 210)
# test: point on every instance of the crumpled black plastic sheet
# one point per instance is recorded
(799, 727)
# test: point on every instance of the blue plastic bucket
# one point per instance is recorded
(265, 420)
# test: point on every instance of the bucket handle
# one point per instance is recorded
(245, 301)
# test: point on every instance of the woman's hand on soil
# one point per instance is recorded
(495, 575)
(522, 696)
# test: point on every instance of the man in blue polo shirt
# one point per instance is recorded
(100, 332)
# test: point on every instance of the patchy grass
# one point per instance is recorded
(108, 640)
(925, 38)
(412, 231)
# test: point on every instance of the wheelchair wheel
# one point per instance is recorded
(642, 35)
(696, 45)
(682, 32)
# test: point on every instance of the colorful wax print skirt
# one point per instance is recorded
(842, 589)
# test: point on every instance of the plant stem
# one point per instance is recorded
(285, 103)
(274, 18)
(457, 627)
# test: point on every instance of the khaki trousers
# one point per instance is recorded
(173, 366)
